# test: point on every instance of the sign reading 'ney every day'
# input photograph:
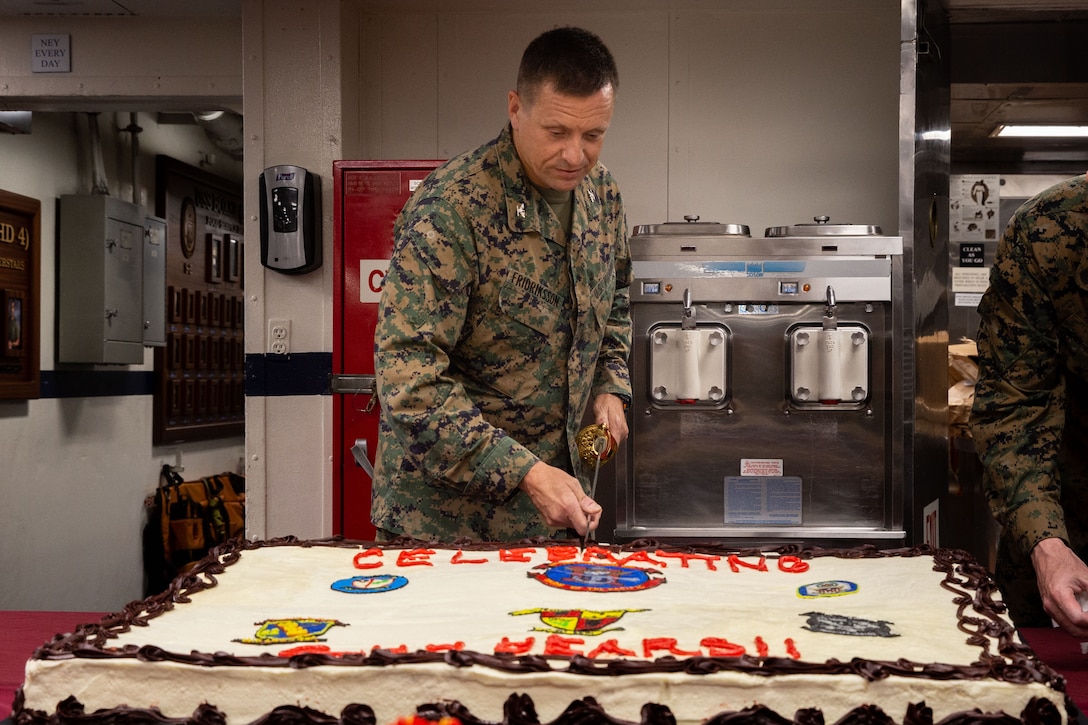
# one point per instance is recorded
(51, 53)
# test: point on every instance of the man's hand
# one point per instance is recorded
(1061, 576)
(560, 498)
(608, 410)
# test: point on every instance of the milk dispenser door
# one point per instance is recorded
(689, 362)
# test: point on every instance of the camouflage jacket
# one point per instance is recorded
(493, 334)
(1031, 398)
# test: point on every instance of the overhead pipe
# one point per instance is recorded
(134, 129)
(224, 129)
(99, 185)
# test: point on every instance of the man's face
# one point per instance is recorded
(559, 137)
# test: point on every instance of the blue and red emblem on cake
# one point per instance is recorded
(579, 577)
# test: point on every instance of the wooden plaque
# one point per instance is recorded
(20, 292)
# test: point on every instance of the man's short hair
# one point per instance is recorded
(575, 61)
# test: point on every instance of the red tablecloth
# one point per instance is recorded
(23, 632)
(1062, 652)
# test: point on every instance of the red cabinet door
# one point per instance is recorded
(367, 195)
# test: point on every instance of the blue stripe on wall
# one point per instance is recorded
(95, 383)
(305, 373)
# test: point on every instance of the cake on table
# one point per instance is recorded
(549, 632)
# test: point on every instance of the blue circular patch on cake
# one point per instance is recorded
(371, 584)
(597, 577)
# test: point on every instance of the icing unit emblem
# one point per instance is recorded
(289, 631)
(586, 622)
(850, 626)
(597, 577)
(372, 584)
(833, 588)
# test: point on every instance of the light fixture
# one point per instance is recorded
(1026, 131)
(15, 121)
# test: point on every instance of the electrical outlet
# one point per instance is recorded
(279, 337)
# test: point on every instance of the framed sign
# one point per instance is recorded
(20, 291)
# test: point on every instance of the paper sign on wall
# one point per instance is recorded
(973, 206)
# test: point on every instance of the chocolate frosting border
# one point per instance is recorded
(520, 710)
(973, 590)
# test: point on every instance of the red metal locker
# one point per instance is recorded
(368, 195)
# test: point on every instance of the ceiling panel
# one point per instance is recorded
(150, 8)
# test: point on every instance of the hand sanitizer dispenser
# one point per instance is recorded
(290, 198)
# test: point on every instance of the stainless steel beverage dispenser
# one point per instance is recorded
(767, 387)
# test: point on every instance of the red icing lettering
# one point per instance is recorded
(792, 565)
(358, 560)
(761, 647)
(721, 647)
(516, 555)
(557, 554)
(685, 558)
(420, 720)
(596, 552)
(415, 557)
(557, 644)
(641, 556)
(791, 649)
(456, 646)
(735, 563)
(515, 648)
(458, 558)
(651, 645)
(305, 649)
(610, 647)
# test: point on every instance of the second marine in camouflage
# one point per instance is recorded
(1030, 414)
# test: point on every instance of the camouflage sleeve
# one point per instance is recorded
(1018, 412)
(423, 309)
(612, 374)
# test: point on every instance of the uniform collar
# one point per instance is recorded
(524, 203)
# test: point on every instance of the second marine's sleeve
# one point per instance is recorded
(1019, 409)
(422, 314)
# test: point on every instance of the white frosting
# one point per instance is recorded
(446, 604)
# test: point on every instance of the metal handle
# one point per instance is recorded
(829, 314)
(359, 453)
(346, 383)
(687, 322)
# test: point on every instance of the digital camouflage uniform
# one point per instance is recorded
(493, 335)
(1031, 399)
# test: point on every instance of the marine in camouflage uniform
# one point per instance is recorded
(495, 331)
(1031, 398)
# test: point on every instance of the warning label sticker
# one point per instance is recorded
(761, 466)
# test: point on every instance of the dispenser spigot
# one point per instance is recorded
(829, 313)
(687, 322)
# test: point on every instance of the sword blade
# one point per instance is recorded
(600, 445)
